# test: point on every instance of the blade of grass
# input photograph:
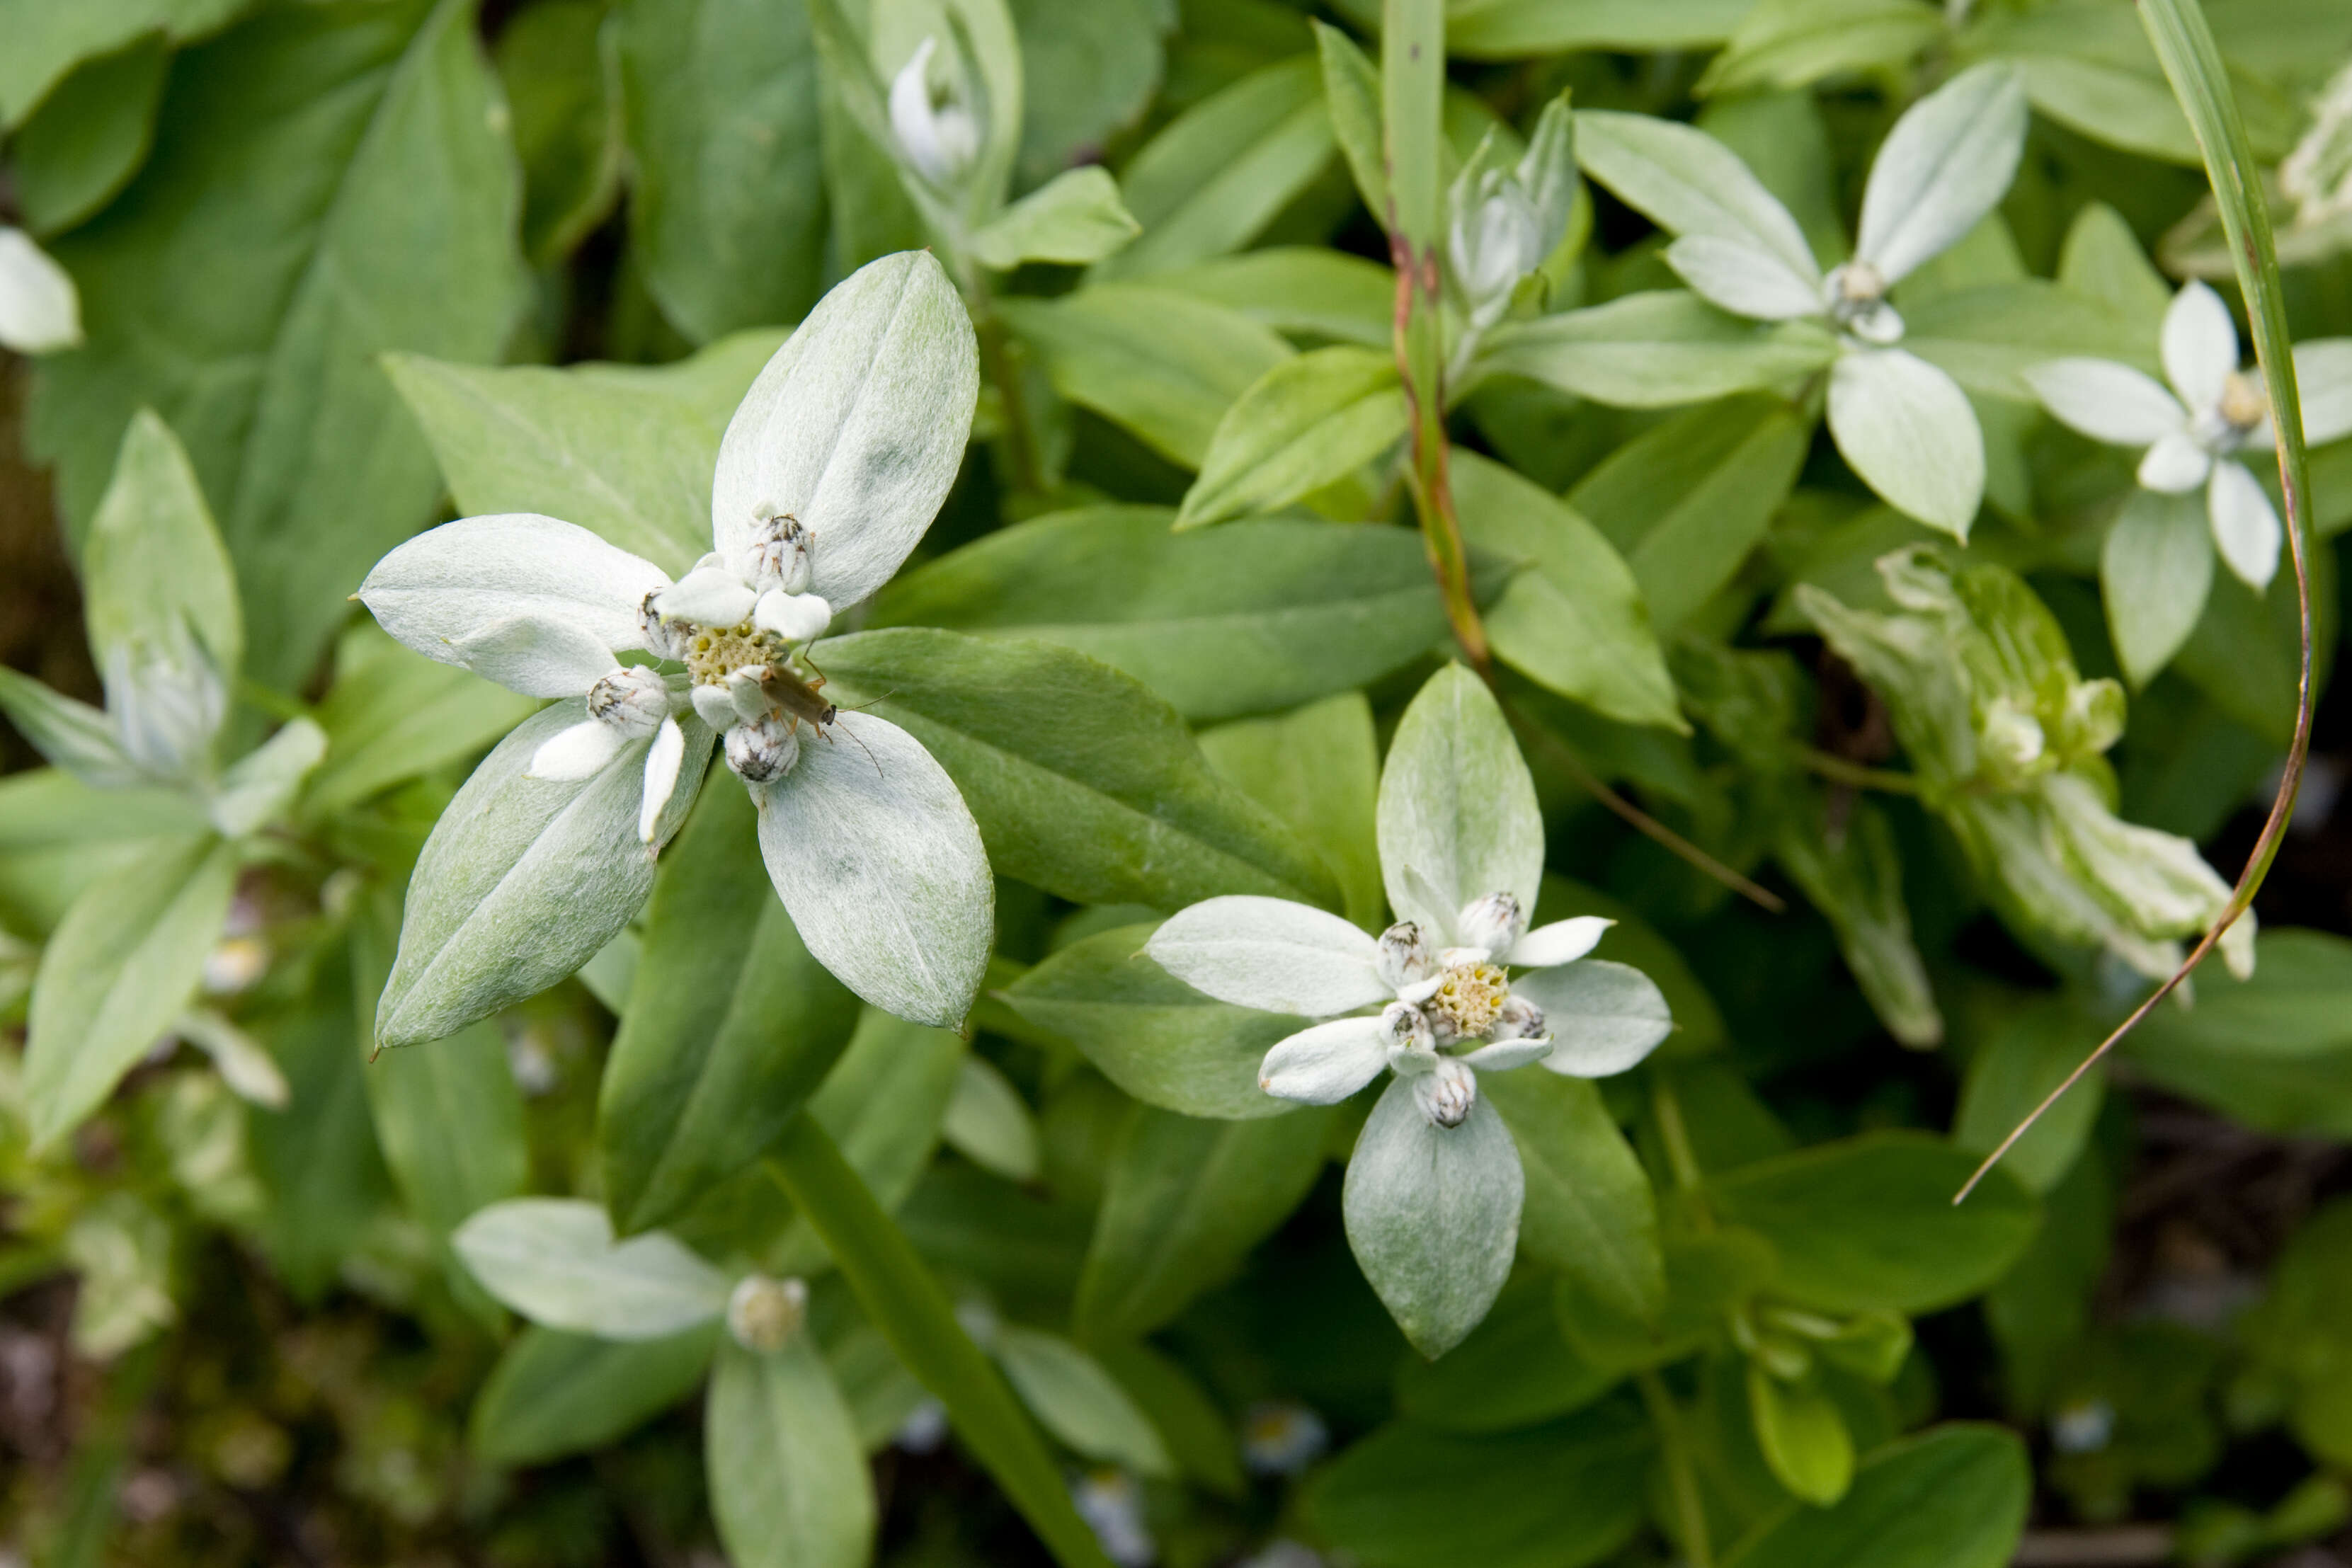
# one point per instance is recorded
(2192, 63)
(907, 1305)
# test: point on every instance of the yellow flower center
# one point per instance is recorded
(1469, 996)
(713, 653)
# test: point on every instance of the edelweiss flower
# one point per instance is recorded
(829, 473)
(2213, 411)
(1902, 423)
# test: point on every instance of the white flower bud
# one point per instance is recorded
(778, 556)
(2011, 736)
(1493, 924)
(937, 130)
(1516, 1019)
(167, 704)
(762, 751)
(1496, 239)
(660, 637)
(763, 1314)
(1405, 958)
(1446, 1094)
(1855, 295)
(2316, 177)
(1405, 1032)
(1281, 1438)
(633, 700)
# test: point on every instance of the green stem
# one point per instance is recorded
(1831, 766)
(1676, 1135)
(1019, 436)
(907, 1304)
(1690, 1508)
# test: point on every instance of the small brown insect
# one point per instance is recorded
(798, 699)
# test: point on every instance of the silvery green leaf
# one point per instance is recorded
(523, 879)
(1074, 1398)
(1270, 954)
(2199, 344)
(1326, 1064)
(880, 866)
(262, 785)
(554, 1260)
(788, 1483)
(1945, 165)
(1734, 276)
(2157, 880)
(2246, 530)
(243, 1063)
(39, 311)
(538, 658)
(118, 970)
(152, 559)
(2107, 401)
(2154, 571)
(2323, 375)
(1432, 1215)
(1308, 422)
(71, 734)
(1906, 428)
(989, 1123)
(1603, 1017)
(1689, 183)
(1456, 804)
(1351, 91)
(856, 427)
(448, 585)
(1076, 217)
(1654, 349)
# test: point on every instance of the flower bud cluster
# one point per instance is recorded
(1503, 223)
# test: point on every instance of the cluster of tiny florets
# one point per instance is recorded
(1468, 999)
(712, 653)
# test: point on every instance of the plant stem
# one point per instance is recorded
(1419, 365)
(1831, 766)
(997, 363)
(907, 1304)
(1676, 1135)
(1690, 1508)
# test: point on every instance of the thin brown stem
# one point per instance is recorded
(1418, 353)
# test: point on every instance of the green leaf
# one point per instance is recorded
(624, 452)
(1218, 172)
(2154, 571)
(1953, 1497)
(1654, 351)
(1513, 1370)
(1432, 1214)
(1198, 1434)
(1687, 500)
(1083, 783)
(554, 1260)
(2272, 1051)
(1306, 423)
(1260, 615)
(522, 881)
(789, 1485)
(1907, 430)
(989, 1123)
(1707, 1275)
(336, 184)
(1300, 290)
(562, 87)
(1149, 1033)
(71, 735)
(1074, 218)
(1590, 1212)
(151, 561)
(884, 1099)
(1984, 338)
(2029, 1054)
(89, 136)
(1512, 29)
(1573, 618)
(1802, 1435)
(122, 965)
(392, 716)
(1351, 89)
(1162, 364)
(256, 789)
(1103, 64)
(1075, 1399)
(1869, 1222)
(1559, 1495)
(1796, 43)
(1458, 818)
(316, 1157)
(57, 835)
(554, 1393)
(46, 40)
(1184, 1201)
(1319, 769)
(1691, 184)
(1412, 95)
(726, 211)
(1856, 881)
(730, 1025)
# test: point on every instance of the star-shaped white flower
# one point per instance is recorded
(2194, 431)
(831, 470)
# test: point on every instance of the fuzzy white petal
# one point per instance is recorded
(663, 758)
(708, 596)
(1906, 428)
(1560, 942)
(538, 658)
(856, 427)
(1323, 1065)
(2201, 345)
(1742, 278)
(2246, 529)
(39, 311)
(713, 705)
(2107, 401)
(577, 752)
(457, 580)
(1270, 954)
(795, 617)
(2174, 464)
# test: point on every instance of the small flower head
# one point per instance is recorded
(1447, 1092)
(633, 701)
(1406, 1034)
(763, 1314)
(763, 750)
(932, 115)
(1492, 924)
(1405, 958)
(779, 555)
(1855, 295)
(1282, 1438)
(1468, 999)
